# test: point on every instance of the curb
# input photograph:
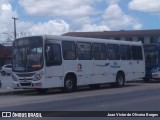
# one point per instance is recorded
(16, 91)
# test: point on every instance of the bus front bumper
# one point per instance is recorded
(32, 84)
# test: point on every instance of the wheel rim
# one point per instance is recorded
(120, 80)
(69, 84)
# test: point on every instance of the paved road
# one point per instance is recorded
(6, 82)
(132, 97)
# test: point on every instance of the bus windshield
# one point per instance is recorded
(151, 55)
(27, 54)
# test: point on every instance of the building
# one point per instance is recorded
(146, 36)
(5, 55)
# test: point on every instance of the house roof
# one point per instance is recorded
(121, 33)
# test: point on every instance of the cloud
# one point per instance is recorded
(115, 18)
(24, 28)
(6, 14)
(67, 8)
(6, 7)
(80, 13)
(94, 27)
(73, 15)
(151, 6)
(113, 1)
(52, 27)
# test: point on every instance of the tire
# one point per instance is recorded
(120, 80)
(3, 73)
(69, 84)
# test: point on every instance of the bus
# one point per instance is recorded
(152, 61)
(48, 61)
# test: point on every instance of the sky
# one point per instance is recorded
(56, 17)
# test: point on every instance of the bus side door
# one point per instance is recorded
(54, 66)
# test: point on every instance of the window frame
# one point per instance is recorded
(74, 51)
(129, 57)
(90, 52)
(117, 54)
(49, 63)
(136, 54)
(103, 52)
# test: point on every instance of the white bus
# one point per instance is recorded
(42, 62)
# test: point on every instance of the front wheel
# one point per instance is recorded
(120, 80)
(69, 84)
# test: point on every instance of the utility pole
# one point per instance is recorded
(15, 34)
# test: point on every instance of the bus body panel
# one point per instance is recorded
(84, 72)
(54, 76)
(138, 69)
(100, 72)
(87, 71)
(127, 70)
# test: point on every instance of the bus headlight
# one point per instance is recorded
(14, 77)
(38, 76)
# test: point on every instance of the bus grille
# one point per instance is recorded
(24, 79)
(25, 75)
(25, 84)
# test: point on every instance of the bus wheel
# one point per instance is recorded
(120, 80)
(69, 84)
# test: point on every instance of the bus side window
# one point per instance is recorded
(137, 53)
(113, 52)
(53, 55)
(69, 50)
(99, 51)
(125, 52)
(84, 51)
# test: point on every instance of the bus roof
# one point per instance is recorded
(83, 39)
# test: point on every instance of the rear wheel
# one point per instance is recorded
(120, 80)
(69, 84)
